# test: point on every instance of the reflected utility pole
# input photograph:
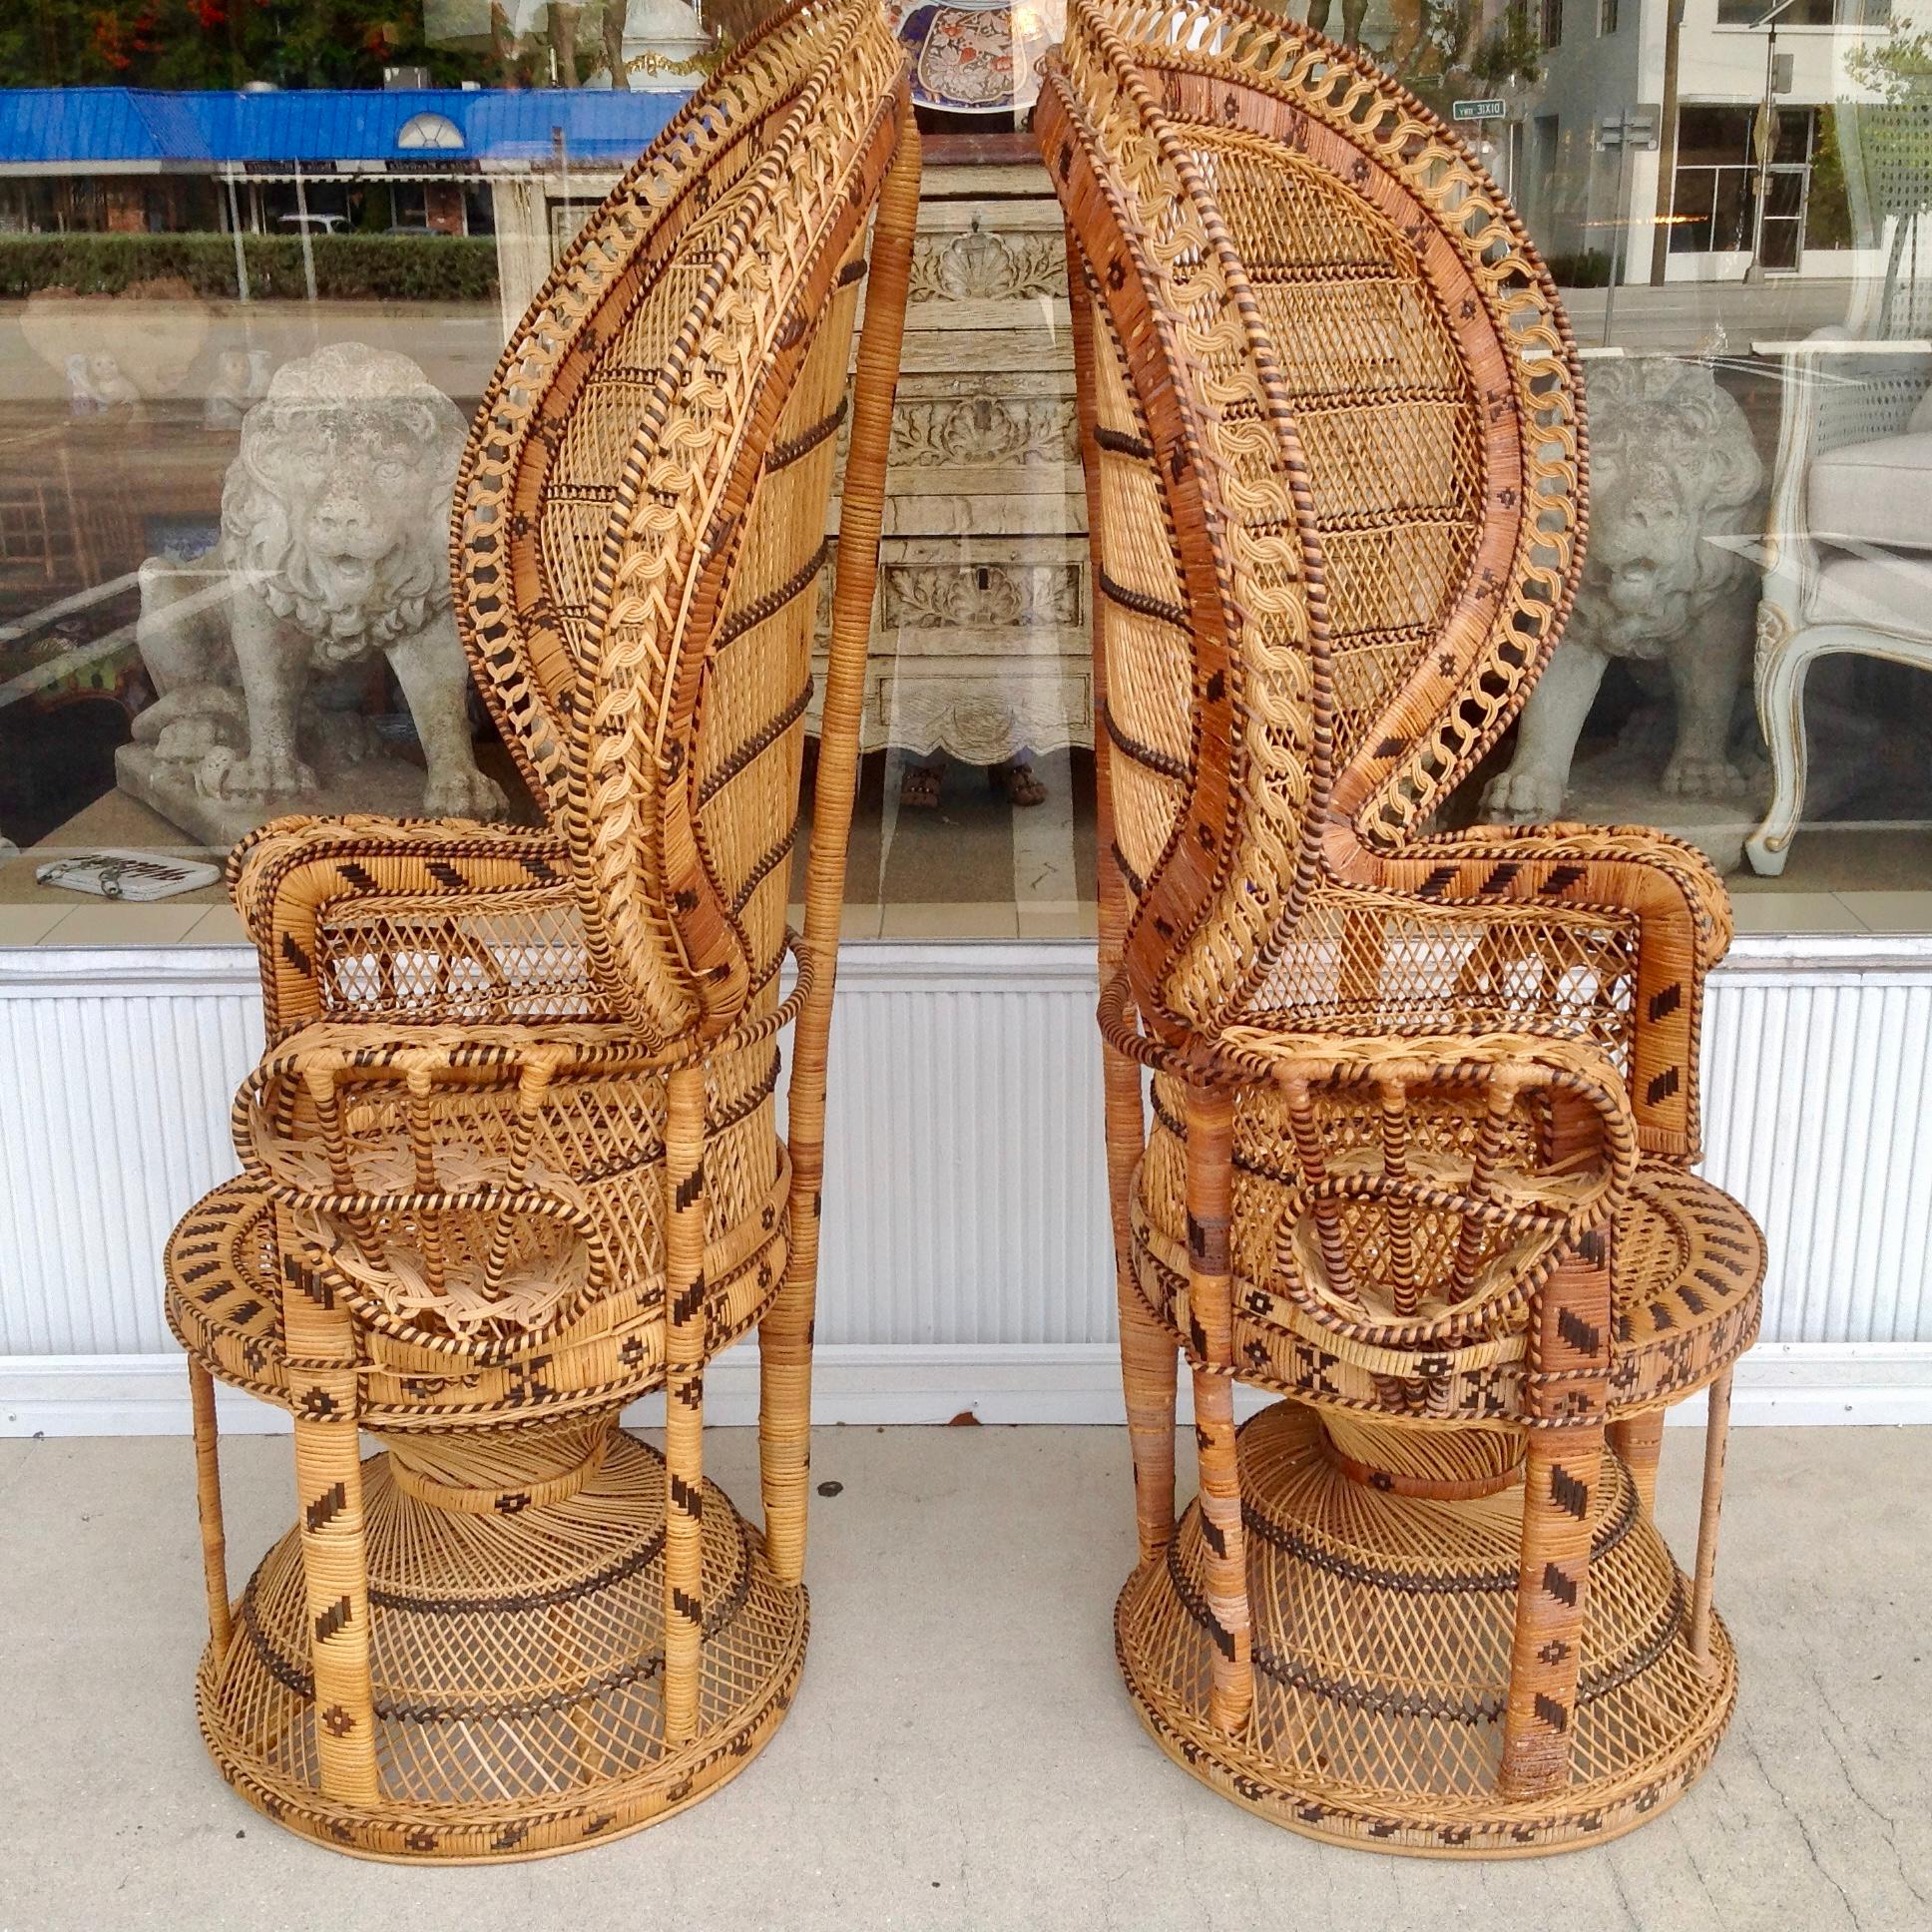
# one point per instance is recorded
(1667, 152)
(309, 259)
(1621, 134)
(235, 229)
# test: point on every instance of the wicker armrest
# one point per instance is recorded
(439, 903)
(1365, 962)
(1635, 868)
(362, 1073)
(1684, 928)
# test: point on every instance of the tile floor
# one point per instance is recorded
(975, 868)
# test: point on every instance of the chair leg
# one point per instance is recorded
(1149, 1362)
(1211, 1137)
(208, 1496)
(1565, 1390)
(784, 1336)
(328, 1488)
(1781, 713)
(1560, 1478)
(1149, 1358)
(1148, 1374)
(684, 1586)
(1716, 1439)
(1639, 1441)
(1227, 1568)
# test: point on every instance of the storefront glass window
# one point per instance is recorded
(256, 266)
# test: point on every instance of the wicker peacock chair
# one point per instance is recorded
(511, 1159)
(1424, 1106)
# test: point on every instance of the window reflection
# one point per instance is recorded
(188, 218)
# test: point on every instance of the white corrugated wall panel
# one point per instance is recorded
(965, 1191)
(113, 1119)
(965, 1196)
(1817, 1089)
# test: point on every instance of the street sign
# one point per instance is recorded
(1626, 132)
(1634, 128)
(1477, 110)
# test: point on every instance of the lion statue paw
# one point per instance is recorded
(267, 774)
(1523, 798)
(1692, 774)
(464, 794)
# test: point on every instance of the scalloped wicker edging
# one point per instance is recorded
(1195, 1748)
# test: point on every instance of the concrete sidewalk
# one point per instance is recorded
(961, 1753)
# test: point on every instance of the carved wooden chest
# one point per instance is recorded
(980, 642)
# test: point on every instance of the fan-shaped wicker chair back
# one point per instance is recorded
(1432, 390)
(1215, 630)
(1387, 356)
(638, 528)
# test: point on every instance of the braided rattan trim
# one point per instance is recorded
(1258, 618)
(538, 376)
(783, 454)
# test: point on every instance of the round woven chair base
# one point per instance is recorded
(1381, 1642)
(517, 1661)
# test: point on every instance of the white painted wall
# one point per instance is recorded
(1588, 75)
(1727, 63)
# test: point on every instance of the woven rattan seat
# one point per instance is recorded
(512, 1156)
(224, 1298)
(1416, 1152)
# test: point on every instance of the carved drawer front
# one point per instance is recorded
(984, 456)
(980, 646)
(977, 246)
(1025, 596)
(981, 710)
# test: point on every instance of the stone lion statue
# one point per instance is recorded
(1674, 483)
(335, 543)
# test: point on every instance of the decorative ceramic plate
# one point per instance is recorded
(978, 57)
